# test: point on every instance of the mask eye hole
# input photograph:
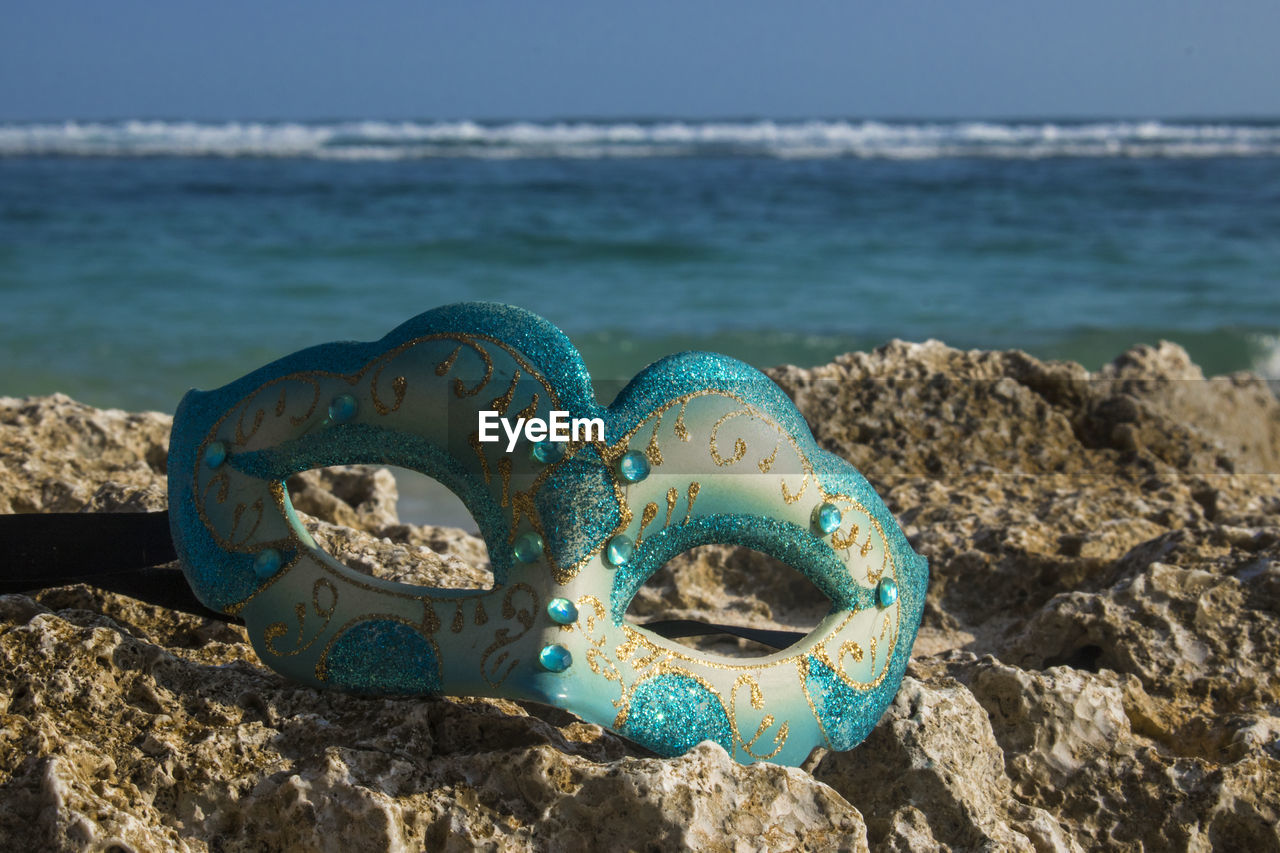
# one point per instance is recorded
(423, 534)
(729, 585)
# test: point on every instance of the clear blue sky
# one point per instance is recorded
(545, 58)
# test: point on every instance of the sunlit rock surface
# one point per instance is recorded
(1097, 667)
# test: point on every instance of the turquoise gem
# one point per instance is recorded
(528, 547)
(547, 452)
(215, 454)
(618, 551)
(267, 563)
(562, 611)
(633, 466)
(886, 592)
(555, 658)
(343, 408)
(826, 518)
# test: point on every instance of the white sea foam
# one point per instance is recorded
(386, 140)
(1266, 362)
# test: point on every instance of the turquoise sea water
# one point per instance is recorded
(139, 259)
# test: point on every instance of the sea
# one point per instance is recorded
(143, 257)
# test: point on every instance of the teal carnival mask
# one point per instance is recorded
(697, 449)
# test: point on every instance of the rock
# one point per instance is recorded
(56, 453)
(403, 560)
(1238, 412)
(112, 739)
(932, 772)
(1070, 747)
(362, 497)
(1097, 668)
(722, 584)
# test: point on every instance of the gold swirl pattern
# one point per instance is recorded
(399, 387)
(648, 515)
(757, 702)
(502, 637)
(739, 446)
(302, 642)
(651, 451)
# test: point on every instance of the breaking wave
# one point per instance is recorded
(403, 140)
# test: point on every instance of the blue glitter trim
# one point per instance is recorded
(689, 372)
(847, 715)
(577, 506)
(381, 656)
(218, 578)
(672, 713)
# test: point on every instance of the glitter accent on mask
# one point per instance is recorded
(577, 506)
(671, 713)
(382, 656)
(848, 715)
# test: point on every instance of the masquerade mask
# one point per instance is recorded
(577, 514)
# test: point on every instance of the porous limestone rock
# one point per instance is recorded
(182, 741)
(932, 772)
(357, 496)
(56, 453)
(1097, 667)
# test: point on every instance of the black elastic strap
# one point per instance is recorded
(44, 549)
(674, 628)
(126, 552)
(122, 552)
